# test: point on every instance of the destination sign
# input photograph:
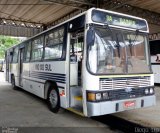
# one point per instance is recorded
(118, 20)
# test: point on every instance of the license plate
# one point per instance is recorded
(129, 104)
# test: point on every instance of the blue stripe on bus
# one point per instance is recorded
(48, 75)
(44, 78)
(38, 74)
(48, 78)
(61, 78)
(56, 74)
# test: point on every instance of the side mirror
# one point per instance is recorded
(90, 37)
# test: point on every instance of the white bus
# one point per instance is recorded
(155, 59)
(94, 64)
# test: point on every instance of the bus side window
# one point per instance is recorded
(54, 44)
(73, 51)
(76, 49)
(11, 57)
(15, 55)
(37, 49)
(27, 52)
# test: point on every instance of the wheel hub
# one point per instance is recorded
(53, 98)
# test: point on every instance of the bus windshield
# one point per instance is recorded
(118, 51)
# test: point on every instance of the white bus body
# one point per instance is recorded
(94, 64)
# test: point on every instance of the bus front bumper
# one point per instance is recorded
(108, 107)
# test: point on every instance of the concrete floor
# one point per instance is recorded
(19, 108)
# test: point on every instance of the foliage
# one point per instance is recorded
(5, 43)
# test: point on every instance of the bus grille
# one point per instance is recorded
(122, 83)
(122, 94)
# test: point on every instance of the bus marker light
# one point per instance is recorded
(62, 93)
(91, 97)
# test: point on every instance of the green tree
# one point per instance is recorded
(5, 43)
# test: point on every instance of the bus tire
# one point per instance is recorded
(53, 99)
(14, 87)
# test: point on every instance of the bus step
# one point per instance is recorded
(76, 110)
(78, 98)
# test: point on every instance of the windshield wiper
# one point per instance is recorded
(131, 42)
(112, 36)
(118, 45)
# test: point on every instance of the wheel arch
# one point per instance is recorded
(46, 87)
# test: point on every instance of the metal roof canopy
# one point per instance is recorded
(27, 18)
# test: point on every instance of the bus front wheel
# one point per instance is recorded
(53, 99)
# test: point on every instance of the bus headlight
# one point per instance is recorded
(92, 96)
(151, 91)
(105, 95)
(146, 91)
(98, 96)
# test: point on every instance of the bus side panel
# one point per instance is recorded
(50, 71)
(26, 79)
(32, 85)
(41, 72)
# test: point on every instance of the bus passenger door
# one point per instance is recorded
(76, 46)
(20, 61)
(73, 63)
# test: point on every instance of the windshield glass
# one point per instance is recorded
(117, 51)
